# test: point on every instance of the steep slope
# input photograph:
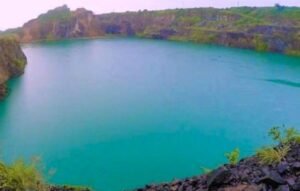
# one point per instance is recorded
(12, 62)
(274, 29)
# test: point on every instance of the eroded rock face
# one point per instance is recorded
(12, 62)
(262, 29)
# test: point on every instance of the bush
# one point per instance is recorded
(286, 136)
(20, 176)
(270, 155)
(233, 157)
(275, 134)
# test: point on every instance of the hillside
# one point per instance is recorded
(274, 29)
(12, 62)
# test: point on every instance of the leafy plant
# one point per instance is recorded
(20, 176)
(291, 136)
(284, 138)
(287, 136)
(270, 155)
(275, 134)
(234, 156)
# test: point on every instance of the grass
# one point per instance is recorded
(284, 137)
(270, 155)
(21, 176)
(62, 14)
(233, 156)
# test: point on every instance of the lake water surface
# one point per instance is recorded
(116, 114)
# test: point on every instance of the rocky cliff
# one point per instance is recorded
(274, 29)
(12, 62)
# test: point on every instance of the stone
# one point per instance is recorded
(296, 165)
(283, 188)
(296, 186)
(218, 176)
(243, 188)
(290, 181)
(273, 179)
(282, 167)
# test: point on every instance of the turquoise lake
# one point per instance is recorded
(116, 114)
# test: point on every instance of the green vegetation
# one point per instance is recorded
(284, 136)
(260, 44)
(59, 14)
(20, 63)
(271, 155)
(260, 28)
(293, 52)
(233, 157)
(246, 27)
(189, 20)
(284, 139)
(202, 36)
(8, 38)
(20, 176)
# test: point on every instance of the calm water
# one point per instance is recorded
(116, 114)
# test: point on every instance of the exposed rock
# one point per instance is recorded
(248, 175)
(68, 188)
(283, 188)
(296, 186)
(218, 177)
(229, 27)
(12, 62)
(282, 167)
(3, 91)
(273, 179)
(242, 188)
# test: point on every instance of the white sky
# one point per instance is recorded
(14, 13)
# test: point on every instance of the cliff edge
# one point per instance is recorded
(275, 29)
(12, 62)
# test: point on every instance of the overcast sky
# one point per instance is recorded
(14, 13)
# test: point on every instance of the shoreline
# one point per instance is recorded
(249, 174)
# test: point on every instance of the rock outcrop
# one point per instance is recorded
(248, 175)
(274, 29)
(68, 188)
(12, 62)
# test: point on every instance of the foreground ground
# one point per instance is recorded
(248, 175)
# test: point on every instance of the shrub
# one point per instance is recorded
(270, 155)
(233, 157)
(291, 136)
(284, 138)
(20, 176)
(287, 136)
(275, 134)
